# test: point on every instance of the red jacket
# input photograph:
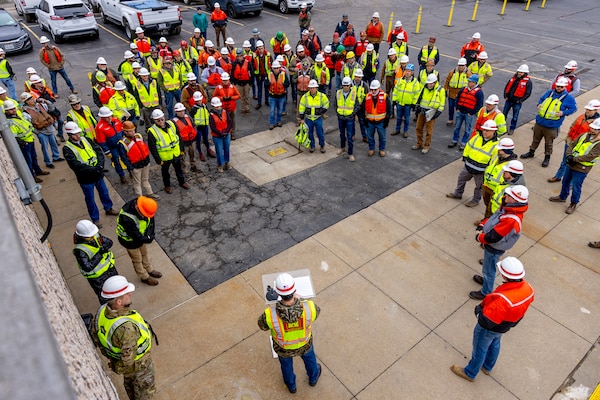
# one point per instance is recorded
(505, 307)
(106, 130)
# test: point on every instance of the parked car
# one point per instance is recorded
(13, 38)
(233, 8)
(154, 16)
(26, 8)
(286, 5)
(66, 19)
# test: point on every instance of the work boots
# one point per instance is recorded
(546, 161)
(529, 154)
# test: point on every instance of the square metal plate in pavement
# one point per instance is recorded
(276, 152)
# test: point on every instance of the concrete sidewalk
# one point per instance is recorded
(392, 282)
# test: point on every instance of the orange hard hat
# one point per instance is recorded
(146, 206)
(128, 125)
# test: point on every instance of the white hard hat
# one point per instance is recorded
(313, 84)
(358, 72)
(120, 85)
(404, 59)
(179, 107)
(2, 90)
(259, 43)
(595, 124)
(135, 65)
(305, 32)
(400, 36)
(132, 46)
(370, 47)
(246, 43)
(71, 128)
(593, 105)
(285, 285)
(128, 54)
(511, 268)
(431, 78)
(44, 39)
(225, 76)
(514, 167)
(476, 35)
(139, 30)
(280, 58)
(562, 81)
(523, 68)
(191, 76)
(35, 79)
(492, 99)
(216, 102)
(156, 114)
(462, 61)
(162, 40)
(303, 5)
(224, 50)
(398, 24)
(490, 125)
(375, 84)
(392, 52)
(571, 65)
(229, 41)
(26, 96)
(482, 56)
(346, 81)
(9, 105)
(196, 30)
(300, 48)
(217, 5)
(375, 15)
(85, 228)
(116, 286)
(198, 96)
(30, 70)
(101, 61)
(104, 112)
(518, 192)
(327, 49)
(276, 64)
(506, 144)
(287, 47)
(211, 60)
(144, 72)
(319, 58)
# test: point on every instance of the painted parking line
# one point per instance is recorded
(112, 33)
(275, 14)
(30, 31)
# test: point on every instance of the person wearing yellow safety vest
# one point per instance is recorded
(165, 147)
(399, 45)
(428, 70)
(388, 72)
(7, 75)
(476, 156)
(169, 80)
(404, 96)
(154, 62)
(30, 71)
(95, 259)
(320, 73)
(23, 131)
(123, 104)
(493, 174)
(189, 54)
(147, 92)
(346, 104)
(369, 62)
(430, 105)
(482, 68)
(126, 67)
(4, 97)
(132, 79)
(511, 175)
(552, 108)
(428, 51)
(582, 154)
(86, 159)
(351, 65)
(311, 107)
(490, 111)
(362, 89)
(200, 114)
(290, 321)
(82, 116)
(456, 79)
(125, 338)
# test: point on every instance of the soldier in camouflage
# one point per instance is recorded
(125, 339)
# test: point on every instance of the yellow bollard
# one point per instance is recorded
(503, 8)
(543, 4)
(475, 11)
(417, 29)
(528, 4)
(390, 24)
(451, 13)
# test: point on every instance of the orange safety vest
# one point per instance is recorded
(376, 112)
(468, 99)
(56, 54)
(276, 84)
(225, 64)
(514, 297)
(137, 149)
(187, 131)
(481, 118)
(229, 91)
(303, 82)
(143, 46)
(220, 122)
(242, 73)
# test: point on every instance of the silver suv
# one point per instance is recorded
(66, 19)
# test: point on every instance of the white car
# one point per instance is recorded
(26, 8)
(66, 19)
(286, 5)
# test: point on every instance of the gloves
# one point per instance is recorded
(477, 237)
(478, 310)
(418, 109)
(570, 159)
(479, 228)
(437, 114)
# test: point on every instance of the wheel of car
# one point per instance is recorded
(283, 7)
(96, 35)
(176, 31)
(128, 31)
(257, 13)
(56, 38)
(41, 25)
(102, 15)
(231, 10)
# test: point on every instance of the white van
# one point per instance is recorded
(26, 8)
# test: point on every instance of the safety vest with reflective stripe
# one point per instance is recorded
(154, 66)
(481, 71)
(363, 61)
(276, 84)
(4, 70)
(345, 104)
(140, 224)
(458, 80)
(120, 104)
(425, 54)
(400, 49)
(495, 115)
(309, 104)
(201, 116)
(126, 69)
(405, 92)
(166, 146)
(86, 122)
(290, 335)
(21, 128)
(378, 111)
(148, 97)
(143, 46)
(322, 75)
(478, 152)
(433, 98)
(349, 71)
(391, 67)
(171, 79)
(494, 172)
(87, 155)
(582, 148)
(551, 106)
(137, 149)
(106, 328)
(106, 262)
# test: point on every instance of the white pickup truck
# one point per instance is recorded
(154, 16)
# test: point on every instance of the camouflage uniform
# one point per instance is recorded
(138, 374)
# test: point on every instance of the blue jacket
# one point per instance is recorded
(568, 107)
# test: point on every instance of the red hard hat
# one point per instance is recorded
(176, 53)
(183, 43)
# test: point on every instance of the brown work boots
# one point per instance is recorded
(151, 281)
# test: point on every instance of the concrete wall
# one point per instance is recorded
(45, 351)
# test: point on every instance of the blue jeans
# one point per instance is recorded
(62, 73)
(346, 131)
(486, 348)
(402, 113)
(222, 149)
(88, 194)
(113, 146)
(516, 107)
(202, 137)
(10, 85)
(574, 179)
(317, 125)
(371, 128)
(468, 120)
(30, 156)
(490, 259)
(451, 108)
(276, 105)
(171, 98)
(310, 363)
(563, 164)
(261, 86)
(45, 141)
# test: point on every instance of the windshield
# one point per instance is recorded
(7, 20)
(70, 10)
